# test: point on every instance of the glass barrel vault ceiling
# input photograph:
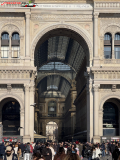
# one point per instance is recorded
(58, 54)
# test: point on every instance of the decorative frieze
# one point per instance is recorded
(16, 74)
(67, 17)
(107, 5)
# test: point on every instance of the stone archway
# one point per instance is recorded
(52, 131)
(6, 98)
(109, 100)
(78, 31)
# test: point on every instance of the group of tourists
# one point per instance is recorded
(59, 151)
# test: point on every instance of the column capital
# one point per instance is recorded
(26, 87)
(96, 14)
(27, 14)
(21, 37)
(96, 87)
(32, 88)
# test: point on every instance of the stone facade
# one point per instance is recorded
(97, 80)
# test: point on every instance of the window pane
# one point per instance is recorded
(107, 36)
(5, 36)
(117, 36)
(107, 52)
(15, 52)
(4, 52)
(117, 52)
(15, 36)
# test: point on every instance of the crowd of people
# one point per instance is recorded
(59, 151)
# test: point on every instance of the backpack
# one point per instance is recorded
(27, 149)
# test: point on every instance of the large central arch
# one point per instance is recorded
(80, 32)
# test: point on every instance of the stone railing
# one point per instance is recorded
(107, 5)
(110, 61)
(10, 60)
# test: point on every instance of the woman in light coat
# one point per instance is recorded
(53, 152)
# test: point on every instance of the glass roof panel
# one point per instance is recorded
(55, 66)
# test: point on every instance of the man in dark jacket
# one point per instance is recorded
(10, 154)
(46, 152)
(2, 150)
(22, 147)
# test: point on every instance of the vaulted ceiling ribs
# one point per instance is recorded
(62, 49)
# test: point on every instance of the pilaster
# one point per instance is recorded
(27, 29)
(96, 137)
(26, 137)
(96, 60)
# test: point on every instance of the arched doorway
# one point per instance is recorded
(61, 57)
(52, 131)
(111, 118)
(11, 117)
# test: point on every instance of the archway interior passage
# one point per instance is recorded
(59, 54)
(52, 131)
(111, 117)
(11, 117)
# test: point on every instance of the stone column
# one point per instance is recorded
(31, 118)
(22, 122)
(88, 111)
(96, 137)
(113, 54)
(10, 47)
(27, 30)
(96, 56)
(21, 47)
(26, 137)
(100, 122)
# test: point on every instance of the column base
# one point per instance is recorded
(96, 139)
(26, 139)
(96, 61)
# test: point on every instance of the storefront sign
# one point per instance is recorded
(109, 126)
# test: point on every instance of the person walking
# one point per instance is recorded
(2, 150)
(46, 152)
(9, 154)
(52, 150)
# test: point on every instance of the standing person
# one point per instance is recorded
(46, 152)
(22, 146)
(115, 153)
(60, 155)
(16, 149)
(2, 150)
(9, 154)
(103, 149)
(52, 150)
(80, 149)
(112, 148)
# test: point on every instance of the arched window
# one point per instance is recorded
(52, 109)
(4, 45)
(15, 45)
(107, 46)
(117, 45)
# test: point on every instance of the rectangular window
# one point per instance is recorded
(15, 51)
(4, 52)
(107, 52)
(117, 52)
